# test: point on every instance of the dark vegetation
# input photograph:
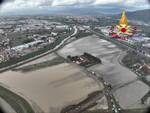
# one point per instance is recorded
(85, 60)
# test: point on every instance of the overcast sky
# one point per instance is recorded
(29, 6)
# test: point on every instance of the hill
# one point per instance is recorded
(142, 15)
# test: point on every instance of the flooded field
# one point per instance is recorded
(51, 88)
(122, 79)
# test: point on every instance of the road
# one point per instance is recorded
(41, 55)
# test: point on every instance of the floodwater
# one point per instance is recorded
(51, 88)
(129, 90)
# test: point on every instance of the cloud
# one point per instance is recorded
(14, 5)
(71, 2)
(24, 5)
(98, 2)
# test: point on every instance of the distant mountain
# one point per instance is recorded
(140, 16)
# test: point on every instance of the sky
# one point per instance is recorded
(40, 6)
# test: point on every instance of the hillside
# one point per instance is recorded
(142, 15)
